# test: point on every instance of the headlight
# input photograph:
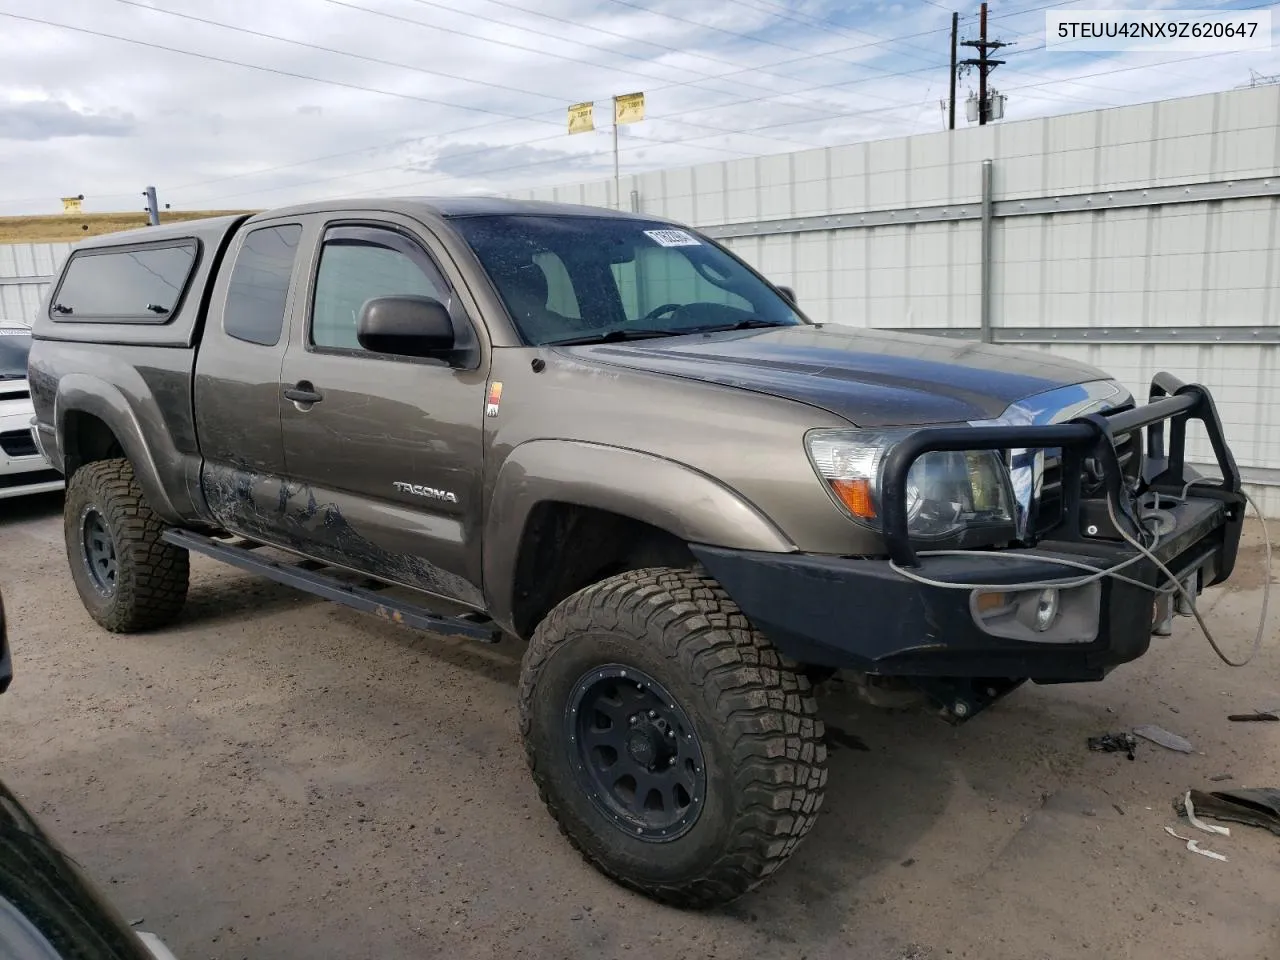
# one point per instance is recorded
(946, 492)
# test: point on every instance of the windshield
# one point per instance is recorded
(574, 278)
(14, 347)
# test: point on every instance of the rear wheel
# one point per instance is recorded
(128, 578)
(677, 749)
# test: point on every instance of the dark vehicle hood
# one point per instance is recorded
(870, 378)
(48, 910)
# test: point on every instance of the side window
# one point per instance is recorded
(140, 285)
(658, 276)
(624, 278)
(260, 285)
(560, 295)
(358, 264)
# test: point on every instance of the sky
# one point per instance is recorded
(247, 104)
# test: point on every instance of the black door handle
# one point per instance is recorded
(303, 392)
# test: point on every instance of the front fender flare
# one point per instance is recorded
(82, 393)
(665, 494)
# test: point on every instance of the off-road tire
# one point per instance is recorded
(753, 710)
(152, 576)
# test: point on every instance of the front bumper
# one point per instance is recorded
(859, 613)
(23, 468)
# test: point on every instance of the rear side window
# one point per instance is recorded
(140, 284)
(260, 284)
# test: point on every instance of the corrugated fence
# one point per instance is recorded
(25, 272)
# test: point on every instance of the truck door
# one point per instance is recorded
(237, 384)
(386, 451)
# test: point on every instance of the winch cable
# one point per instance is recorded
(1144, 552)
(1191, 599)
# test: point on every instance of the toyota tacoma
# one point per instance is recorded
(606, 436)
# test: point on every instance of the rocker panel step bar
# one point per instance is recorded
(302, 576)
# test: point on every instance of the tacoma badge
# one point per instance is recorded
(431, 493)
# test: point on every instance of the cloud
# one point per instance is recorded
(52, 119)
(490, 162)
(459, 96)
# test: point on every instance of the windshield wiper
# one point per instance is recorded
(13, 376)
(750, 324)
(614, 336)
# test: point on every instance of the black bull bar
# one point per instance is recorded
(1092, 435)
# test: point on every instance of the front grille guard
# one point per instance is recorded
(1092, 435)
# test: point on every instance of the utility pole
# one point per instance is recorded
(617, 179)
(984, 64)
(951, 113)
(153, 207)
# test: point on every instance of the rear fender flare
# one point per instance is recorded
(82, 393)
(665, 494)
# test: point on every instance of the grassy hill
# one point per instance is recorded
(72, 227)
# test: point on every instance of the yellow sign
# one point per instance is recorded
(580, 118)
(71, 204)
(628, 108)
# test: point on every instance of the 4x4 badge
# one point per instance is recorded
(494, 400)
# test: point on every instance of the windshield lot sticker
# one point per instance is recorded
(672, 238)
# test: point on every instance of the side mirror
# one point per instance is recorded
(789, 294)
(406, 326)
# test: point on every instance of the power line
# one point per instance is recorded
(707, 26)
(405, 141)
(254, 66)
(794, 16)
(312, 46)
(843, 115)
(739, 132)
(627, 38)
(540, 51)
(872, 111)
(344, 53)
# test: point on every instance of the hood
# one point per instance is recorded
(870, 378)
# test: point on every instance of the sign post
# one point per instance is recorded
(627, 108)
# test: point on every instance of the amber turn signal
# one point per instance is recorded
(856, 496)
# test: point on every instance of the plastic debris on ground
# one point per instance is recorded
(1188, 807)
(1114, 743)
(1194, 845)
(1257, 807)
(1161, 736)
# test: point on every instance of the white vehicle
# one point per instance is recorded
(23, 470)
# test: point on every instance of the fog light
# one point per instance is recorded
(1046, 609)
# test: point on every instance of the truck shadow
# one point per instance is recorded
(30, 509)
(237, 599)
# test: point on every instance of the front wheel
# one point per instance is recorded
(677, 749)
(128, 577)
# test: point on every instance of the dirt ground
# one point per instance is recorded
(277, 777)
(74, 227)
